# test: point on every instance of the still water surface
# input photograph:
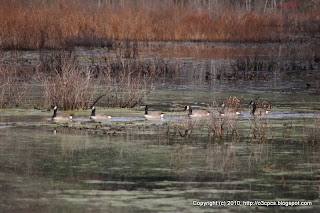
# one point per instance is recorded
(146, 166)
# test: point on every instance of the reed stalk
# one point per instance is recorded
(61, 23)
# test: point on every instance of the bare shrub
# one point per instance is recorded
(185, 130)
(65, 84)
(55, 60)
(13, 85)
(216, 125)
(249, 67)
(233, 103)
(219, 126)
(126, 82)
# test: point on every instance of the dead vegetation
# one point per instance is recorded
(255, 68)
(311, 132)
(13, 84)
(233, 104)
(260, 129)
(60, 24)
(66, 84)
(216, 126)
(124, 81)
(185, 130)
(263, 104)
(127, 81)
(221, 159)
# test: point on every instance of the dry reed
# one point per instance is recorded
(61, 23)
(221, 159)
(260, 129)
(311, 133)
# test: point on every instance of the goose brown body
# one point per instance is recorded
(196, 113)
(60, 117)
(225, 111)
(257, 111)
(152, 115)
(99, 116)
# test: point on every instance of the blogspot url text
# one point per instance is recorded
(252, 203)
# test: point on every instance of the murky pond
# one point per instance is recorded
(129, 164)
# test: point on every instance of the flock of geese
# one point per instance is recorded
(225, 111)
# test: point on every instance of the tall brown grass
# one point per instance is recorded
(57, 23)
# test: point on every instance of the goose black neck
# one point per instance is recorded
(93, 112)
(146, 110)
(254, 107)
(190, 110)
(54, 113)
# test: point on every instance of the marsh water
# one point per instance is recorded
(129, 164)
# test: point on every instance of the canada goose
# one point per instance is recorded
(99, 116)
(225, 111)
(60, 117)
(257, 111)
(152, 115)
(196, 113)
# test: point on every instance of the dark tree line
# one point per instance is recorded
(217, 5)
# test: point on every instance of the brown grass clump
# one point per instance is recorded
(233, 103)
(264, 105)
(61, 23)
(220, 126)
